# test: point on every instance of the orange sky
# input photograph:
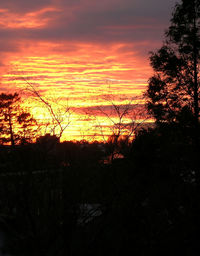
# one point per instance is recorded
(76, 52)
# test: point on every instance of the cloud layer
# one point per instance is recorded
(84, 20)
(80, 49)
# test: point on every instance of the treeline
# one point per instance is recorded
(64, 199)
(47, 152)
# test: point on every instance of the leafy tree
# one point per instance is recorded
(27, 130)
(16, 124)
(173, 91)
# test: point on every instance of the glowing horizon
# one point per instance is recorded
(77, 52)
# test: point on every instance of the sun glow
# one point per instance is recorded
(76, 79)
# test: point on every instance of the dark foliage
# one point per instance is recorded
(174, 88)
(61, 199)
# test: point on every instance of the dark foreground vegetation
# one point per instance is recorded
(78, 199)
(63, 199)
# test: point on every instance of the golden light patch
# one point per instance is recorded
(79, 76)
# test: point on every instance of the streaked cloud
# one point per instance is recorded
(80, 49)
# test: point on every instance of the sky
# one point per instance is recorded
(79, 52)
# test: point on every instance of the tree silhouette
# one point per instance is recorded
(16, 124)
(59, 113)
(174, 88)
(117, 122)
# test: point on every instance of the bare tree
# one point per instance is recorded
(118, 121)
(59, 113)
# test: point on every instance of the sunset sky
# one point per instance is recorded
(76, 52)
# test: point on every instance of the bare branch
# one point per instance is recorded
(57, 116)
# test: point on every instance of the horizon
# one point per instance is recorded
(77, 53)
